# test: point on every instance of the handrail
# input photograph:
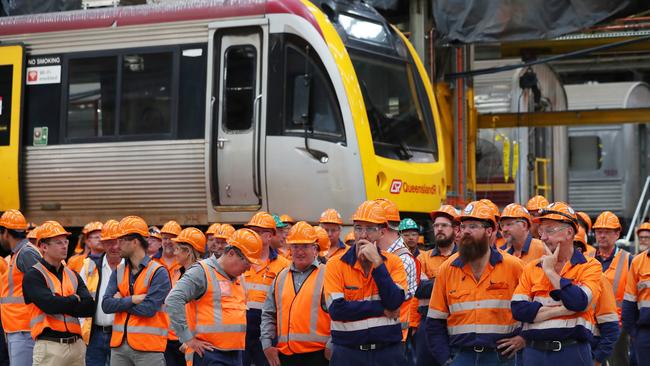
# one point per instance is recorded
(638, 209)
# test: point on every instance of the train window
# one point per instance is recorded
(146, 93)
(239, 95)
(91, 97)
(323, 109)
(191, 95)
(585, 153)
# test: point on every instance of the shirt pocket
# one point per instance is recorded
(353, 292)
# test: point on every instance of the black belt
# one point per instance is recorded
(477, 349)
(67, 340)
(553, 346)
(371, 346)
(104, 328)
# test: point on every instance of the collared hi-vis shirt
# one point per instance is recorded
(579, 287)
(464, 311)
(357, 301)
(430, 261)
(636, 304)
(606, 331)
(533, 249)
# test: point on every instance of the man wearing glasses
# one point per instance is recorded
(555, 296)
(469, 319)
(59, 299)
(515, 225)
(364, 289)
(217, 311)
(643, 233)
(534, 205)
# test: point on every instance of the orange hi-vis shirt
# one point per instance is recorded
(636, 304)
(76, 262)
(171, 268)
(257, 281)
(617, 273)
(302, 324)
(430, 262)
(579, 288)
(357, 301)
(606, 330)
(533, 249)
(473, 312)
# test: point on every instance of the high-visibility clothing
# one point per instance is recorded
(4, 267)
(92, 281)
(533, 249)
(15, 313)
(76, 262)
(616, 274)
(580, 286)
(340, 249)
(171, 268)
(57, 322)
(477, 312)
(606, 330)
(636, 304)
(302, 324)
(142, 333)
(590, 252)
(219, 316)
(605, 309)
(257, 281)
(346, 280)
(430, 262)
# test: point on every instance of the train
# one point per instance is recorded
(211, 110)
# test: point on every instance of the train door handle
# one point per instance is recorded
(228, 190)
(221, 142)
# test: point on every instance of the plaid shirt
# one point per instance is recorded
(409, 266)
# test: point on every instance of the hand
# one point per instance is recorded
(549, 261)
(183, 347)
(563, 311)
(77, 297)
(271, 354)
(369, 251)
(117, 296)
(328, 354)
(392, 314)
(509, 346)
(199, 346)
(137, 299)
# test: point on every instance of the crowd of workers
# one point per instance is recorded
(518, 287)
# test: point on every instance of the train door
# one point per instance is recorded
(238, 55)
(11, 82)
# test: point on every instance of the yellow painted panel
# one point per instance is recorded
(415, 187)
(9, 154)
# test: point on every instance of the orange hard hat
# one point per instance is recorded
(391, 209)
(493, 206)
(287, 219)
(559, 211)
(536, 203)
(516, 211)
(607, 220)
(155, 232)
(193, 237)
(421, 239)
(91, 226)
(447, 211)
(479, 210)
(171, 227)
(585, 218)
(322, 238)
(349, 237)
(51, 229)
(213, 228)
(330, 216)
(580, 239)
(13, 220)
(643, 227)
(224, 231)
(33, 233)
(370, 211)
(110, 230)
(132, 225)
(249, 243)
(262, 220)
(301, 233)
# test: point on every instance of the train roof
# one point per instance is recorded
(151, 14)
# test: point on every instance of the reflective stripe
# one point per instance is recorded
(480, 304)
(73, 277)
(643, 304)
(12, 300)
(611, 317)
(363, 324)
(547, 301)
(619, 270)
(153, 266)
(333, 296)
(222, 328)
(120, 273)
(559, 323)
(90, 268)
(254, 305)
(629, 297)
(435, 314)
(587, 291)
(315, 299)
(48, 280)
(481, 329)
(642, 285)
(141, 330)
(93, 293)
(36, 320)
(423, 302)
(59, 317)
(257, 286)
(218, 326)
(300, 337)
(520, 297)
(282, 276)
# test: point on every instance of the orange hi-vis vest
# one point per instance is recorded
(616, 274)
(219, 316)
(605, 306)
(57, 322)
(257, 281)
(92, 281)
(302, 324)
(142, 333)
(14, 312)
